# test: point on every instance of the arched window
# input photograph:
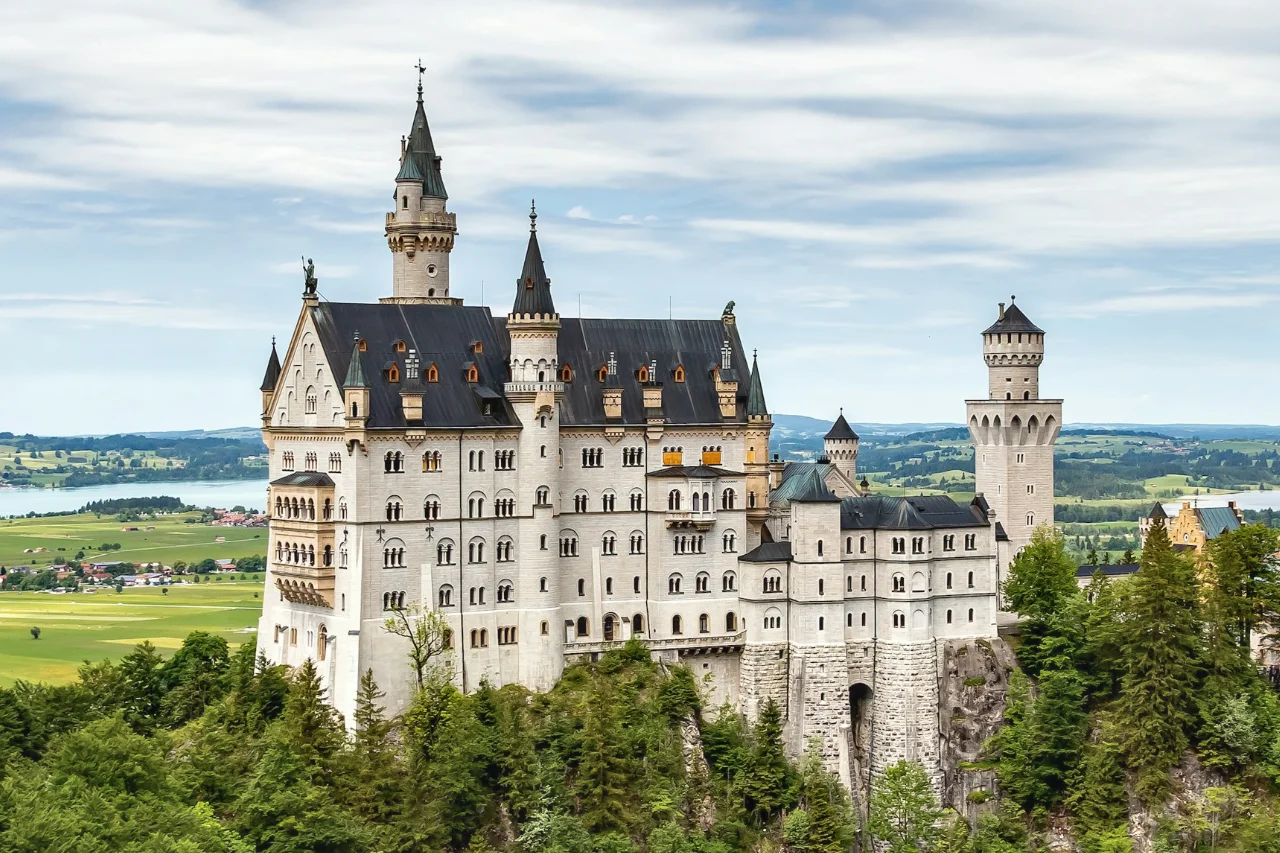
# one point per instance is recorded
(582, 587)
(772, 581)
(970, 580)
(948, 580)
(637, 624)
(728, 582)
(948, 617)
(583, 626)
(864, 620)
(731, 622)
(543, 497)
(702, 582)
(673, 500)
(542, 584)
(433, 374)
(704, 624)
(1031, 519)
(819, 547)
(673, 584)
(821, 587)
(899, 619)
(677, 625)
(899, 583)
(970, 614)
(772, 618)
(506, 592)
(728, 498)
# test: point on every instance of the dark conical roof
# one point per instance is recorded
(422, 151)
(1013, 320)
(1157, 511)
(533, 289)
(273, 369)
(841, 431)
(355, 373)
(755, 392)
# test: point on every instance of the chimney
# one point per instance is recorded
(653, 392)
(1001, 311)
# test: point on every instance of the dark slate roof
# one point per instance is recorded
(533, 288)
(585, 344)
(305, 478)
(1013, 321)
(924, 512)
(695, 472)
(1111, 570)
(1001, 536)
(273, 369)
(1157, 511)
(423, 152)
(768, 552)
(841, 431)
(409, 169)
(1216, 520)
(439, 335)
(755, 394)
(795, 478)
(811, 487)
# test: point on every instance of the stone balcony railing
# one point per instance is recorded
(533, 388)
(702, 520)
(697, 644)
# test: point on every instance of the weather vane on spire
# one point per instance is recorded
(533, 216)
(421, 70)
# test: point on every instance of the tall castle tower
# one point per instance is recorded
(840, 445)
(536, 393)
(1014, 429)
(420, 232)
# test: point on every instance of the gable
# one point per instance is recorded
(307, 394)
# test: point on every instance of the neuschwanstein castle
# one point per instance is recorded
(553, 486)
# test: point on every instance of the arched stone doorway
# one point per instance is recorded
(860, 705)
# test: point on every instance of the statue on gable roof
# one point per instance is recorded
(309, 270)
(728, 309)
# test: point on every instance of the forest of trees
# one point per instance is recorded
(1130, 688)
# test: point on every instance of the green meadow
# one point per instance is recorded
(75, 627)
(172, 539)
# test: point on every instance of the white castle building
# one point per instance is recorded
(553, 486)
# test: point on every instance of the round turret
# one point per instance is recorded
(840, 447)
(1013, 348)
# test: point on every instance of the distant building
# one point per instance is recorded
(1110, 571)
(1194, 526)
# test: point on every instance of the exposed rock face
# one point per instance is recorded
(973, 683)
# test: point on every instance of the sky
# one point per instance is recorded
(866, 180)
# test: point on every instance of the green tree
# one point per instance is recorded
(1160, 655)
(767, 779)
(602, 773)
(428, 635)
(904, 813)
(144, 686)
(35, 633)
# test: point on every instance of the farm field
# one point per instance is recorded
(172, 539)
(75, 627)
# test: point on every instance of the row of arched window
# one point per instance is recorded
(592, 457)
(688, 544)
(701, 501)
(701, 582)
(302, 555)
(704, 624)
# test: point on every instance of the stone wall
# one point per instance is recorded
(905, 708)
(763, 676)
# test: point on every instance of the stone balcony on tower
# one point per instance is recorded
(302, 550)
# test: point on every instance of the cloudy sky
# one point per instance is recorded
(865, 179)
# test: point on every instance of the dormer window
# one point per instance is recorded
(473, 375)
(643, 373)
(393, 373)
(477, 347)
(602, 373)
(363, 345)
(566, 373)
(433, 375)
(401, 346)
(678, 373)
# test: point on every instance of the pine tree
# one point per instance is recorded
(1160, 656)
(904, 811)
(144, 686)
(830, 815)
(602, 776)
(310, 725)
(767, 778)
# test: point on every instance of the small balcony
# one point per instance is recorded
(700, 520)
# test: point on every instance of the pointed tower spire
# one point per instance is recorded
(533, 289)
(273, 369)
(355, 371)
(420, 231)
(755, 392)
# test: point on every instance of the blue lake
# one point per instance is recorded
(220, 494)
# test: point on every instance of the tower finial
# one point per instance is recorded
(1011, 298)
(533, 215)
(421, 70)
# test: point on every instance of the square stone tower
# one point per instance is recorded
(1014, 430)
